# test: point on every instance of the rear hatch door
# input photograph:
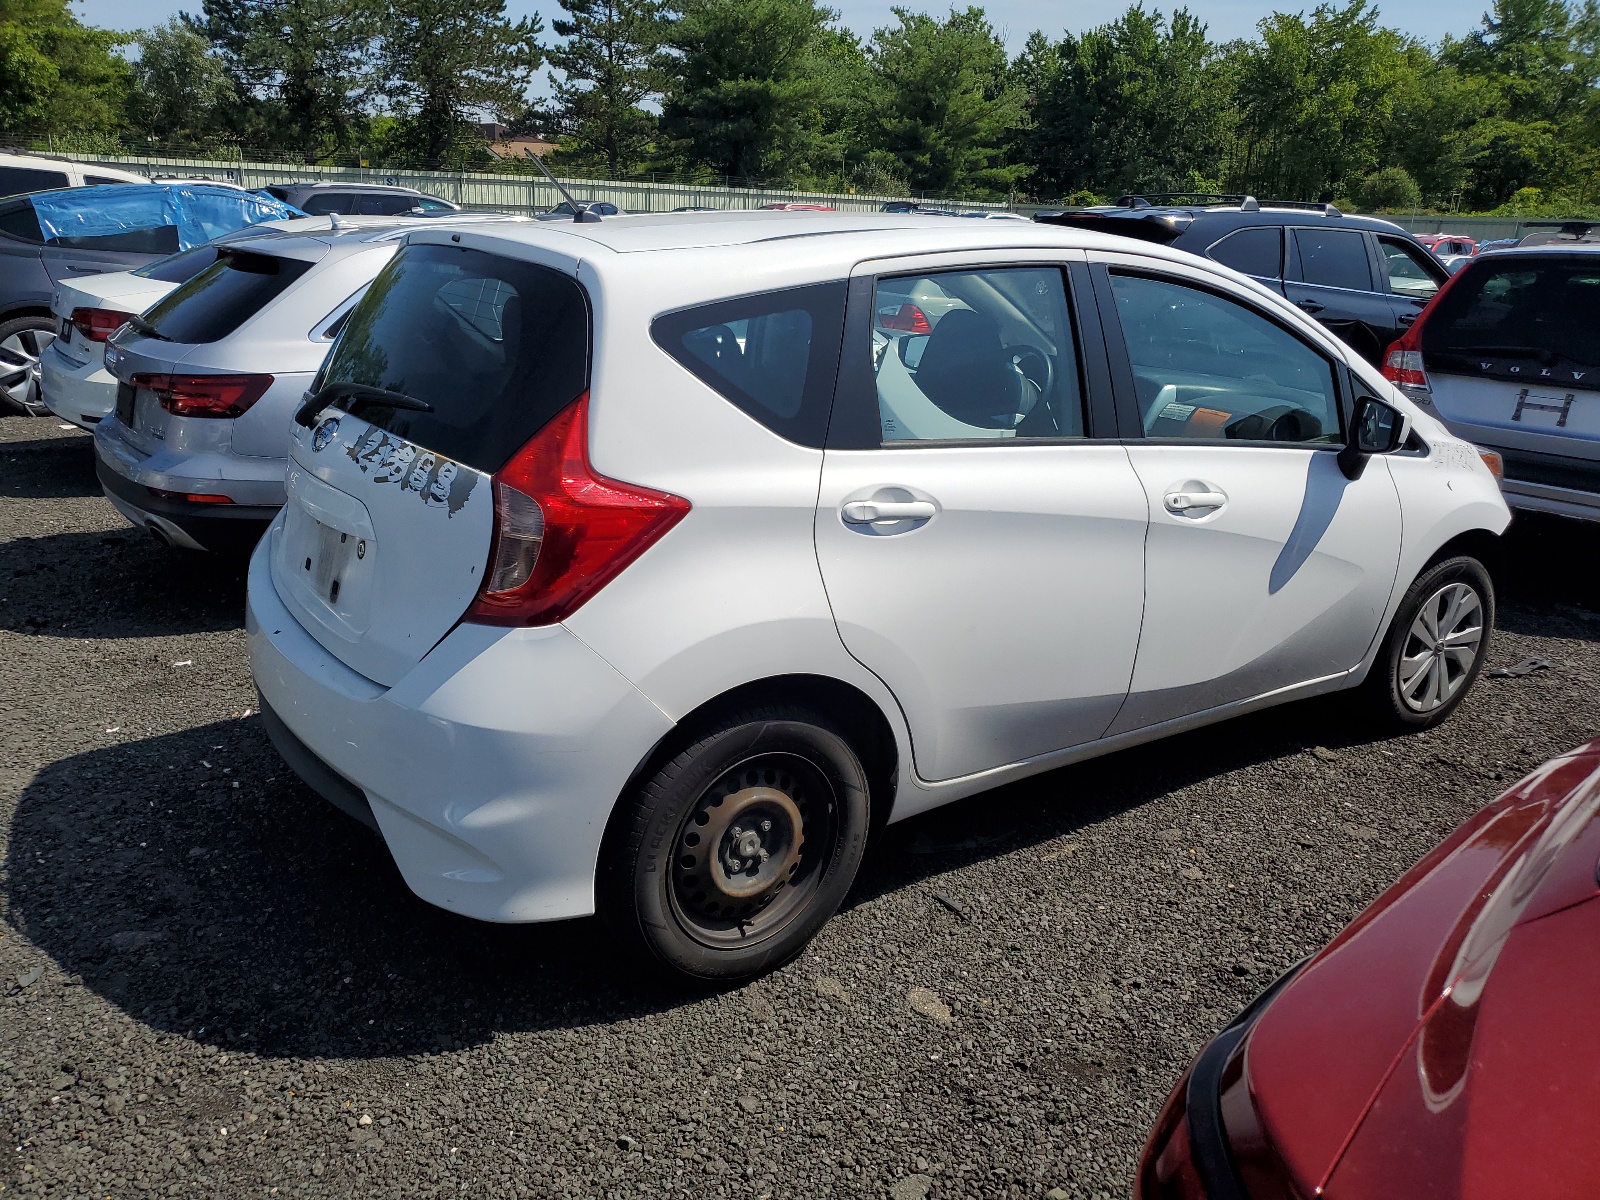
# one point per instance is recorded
(206, 309)
(1512, 351)
(390, 515)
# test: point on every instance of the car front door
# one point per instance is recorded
(979, 528)
(1330, 275)
(1266, 568)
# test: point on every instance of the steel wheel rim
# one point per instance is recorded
(19, 362)
(752, 850)
(1441, 648)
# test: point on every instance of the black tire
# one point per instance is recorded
(22, 340)
(1401, 696)
(668, 884)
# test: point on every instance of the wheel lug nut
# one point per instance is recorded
(766, 826)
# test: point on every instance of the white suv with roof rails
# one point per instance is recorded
(21, 173)
(649, 564)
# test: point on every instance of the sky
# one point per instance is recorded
(1227, 19)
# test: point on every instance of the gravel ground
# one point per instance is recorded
(213, 985)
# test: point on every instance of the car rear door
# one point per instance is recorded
(386, 534)
(1330, 275)
(979, 528)
(1266, 569)
(1410, 275)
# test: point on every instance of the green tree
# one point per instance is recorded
(945, 102)
(301, 69)
(612, 65)
(1316, 97)
(1142, 104)
(764, 89)
(180, 90)
(1389, 190)
(1536, 64)
(446, 62)
(57, 73)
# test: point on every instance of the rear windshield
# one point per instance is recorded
(223, 297)
(180, 267)
(1521, 318)
(495, 345)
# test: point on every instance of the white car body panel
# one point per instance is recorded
(492, 758)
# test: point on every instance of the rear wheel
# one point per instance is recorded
(1435, 647)
(733, 854)
(22, 341)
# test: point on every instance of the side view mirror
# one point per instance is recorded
(1377, 429)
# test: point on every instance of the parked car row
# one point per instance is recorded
(646, 565)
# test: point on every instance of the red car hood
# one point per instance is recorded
(1448, 1035)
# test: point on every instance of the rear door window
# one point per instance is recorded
(16, 180)
(496, 346)
(321, 203)
(224, 296)
(774, 355)
(1335, 258)
(383, 204)
(1257, 252)
(154, 239)
(976, 355)
(1525, 319)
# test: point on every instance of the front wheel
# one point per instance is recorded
(1435, 647)
(730, 857)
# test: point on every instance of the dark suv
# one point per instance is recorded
(1365, 279)
(366, 199)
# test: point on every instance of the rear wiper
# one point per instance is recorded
(145, 329)
(362, 393)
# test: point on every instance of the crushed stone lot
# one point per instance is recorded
(212, 984)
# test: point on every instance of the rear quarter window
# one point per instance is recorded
(1257, 252)
(496, 345)
(224, 296)
(774, 355)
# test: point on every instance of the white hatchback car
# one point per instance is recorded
(649, 564)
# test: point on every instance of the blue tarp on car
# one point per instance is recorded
(199, 212)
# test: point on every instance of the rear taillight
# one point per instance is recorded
(1403, 365)
(97, 324)
(908, 318)
(221, 396)
(561, 530)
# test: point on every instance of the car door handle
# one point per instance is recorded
(865, 512)
(1310, 306)
(1407, 319)
(1181, 502)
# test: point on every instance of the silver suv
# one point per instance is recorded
(208, 380)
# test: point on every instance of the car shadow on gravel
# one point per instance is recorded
(1551, 564)
(193, 882)
(116, 585)
(48, 469)
(1068, 799)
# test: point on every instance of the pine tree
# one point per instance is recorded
(612, 64)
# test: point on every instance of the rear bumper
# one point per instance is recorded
(224, 528)
(1552, 483)
(490, 770)
(82, 393)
